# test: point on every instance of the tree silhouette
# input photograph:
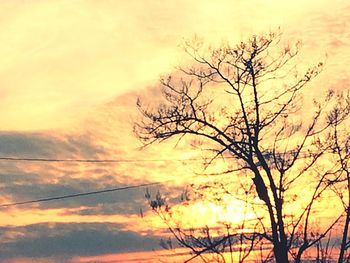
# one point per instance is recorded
(340, 183)
(210, 245)
(247, 101)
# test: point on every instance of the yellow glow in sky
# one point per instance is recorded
(61, 58)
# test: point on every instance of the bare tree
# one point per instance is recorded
(246, 102)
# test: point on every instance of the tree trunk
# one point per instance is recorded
(281, 253)
(345, 236)
(346, 226)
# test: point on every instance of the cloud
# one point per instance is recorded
(46, 145)
(26, 186)
(86, 51)
(69, 240)
(23, 181)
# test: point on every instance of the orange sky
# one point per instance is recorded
(70, 74)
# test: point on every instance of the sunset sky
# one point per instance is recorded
(70, 75)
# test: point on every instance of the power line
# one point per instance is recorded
(99, 160)
(24, 159)
(78, 194)
(47, 199)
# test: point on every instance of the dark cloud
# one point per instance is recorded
(23, 186)
(60, 242)
(68, 240)
(42, 145)
(22, 181)
(28, 186)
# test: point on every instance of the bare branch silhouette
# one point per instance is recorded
(246, 100)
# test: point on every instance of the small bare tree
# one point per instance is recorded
(246, 102)
(218, 243)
